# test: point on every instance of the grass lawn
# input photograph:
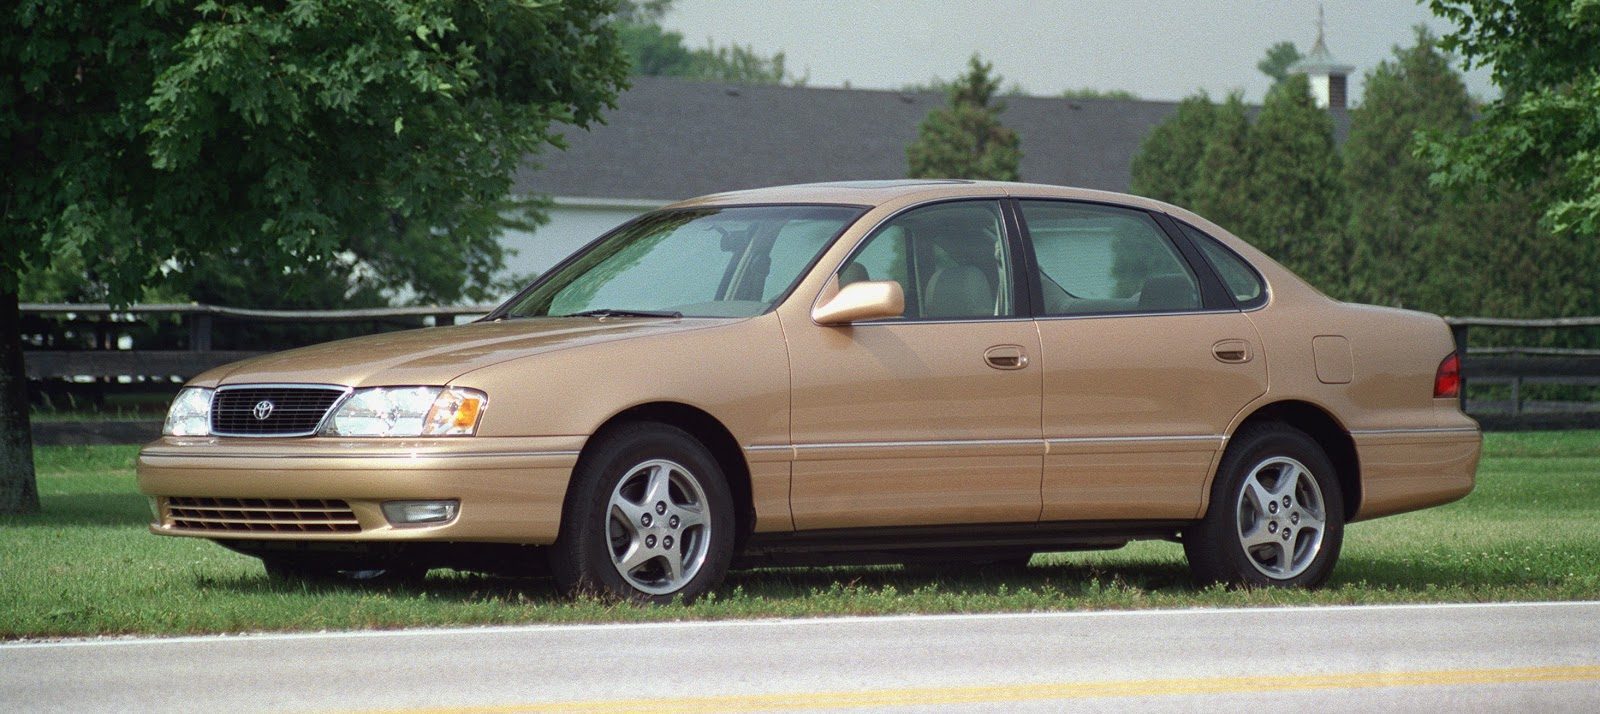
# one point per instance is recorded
(87, 566)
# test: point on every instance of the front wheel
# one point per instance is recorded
(649, 517)
(1276, 517)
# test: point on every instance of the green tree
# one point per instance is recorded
(1167, 167)
(966, 138)
(1280, 57)
(1092, 93)
(148, 136)
(736, 63)
(1293, 187)
(1219, 190)
(935, 84)
(1503, 262)
(654, 51)
(1545, 57)
(1399, 225)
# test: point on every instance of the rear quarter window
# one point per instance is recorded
(1242, 281)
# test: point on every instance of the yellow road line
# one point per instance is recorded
(1001, 693)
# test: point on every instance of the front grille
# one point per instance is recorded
(262, 515)
(293, 411)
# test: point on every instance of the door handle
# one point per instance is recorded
(1231, 351)
(1006, 357)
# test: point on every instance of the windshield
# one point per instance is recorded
(733, 261)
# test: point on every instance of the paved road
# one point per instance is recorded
(1541, 656)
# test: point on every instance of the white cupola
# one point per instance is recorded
(1329, 78)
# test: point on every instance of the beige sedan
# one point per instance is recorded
(881, 371)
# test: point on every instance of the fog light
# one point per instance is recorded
(155, 510)
(413, 513)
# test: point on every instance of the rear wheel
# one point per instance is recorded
(649, 517)
(1276, 517)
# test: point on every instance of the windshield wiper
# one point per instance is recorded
(611, 312)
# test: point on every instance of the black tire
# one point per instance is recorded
(293, 570)
(1269, 456)
(587, 556)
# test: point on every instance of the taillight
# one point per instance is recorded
(1447, 381)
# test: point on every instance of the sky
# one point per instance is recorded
(1157, 49)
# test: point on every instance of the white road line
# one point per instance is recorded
(769, 622)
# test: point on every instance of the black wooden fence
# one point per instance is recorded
(102, 327)
(1520, 368)
(101, 351)
(89, 348)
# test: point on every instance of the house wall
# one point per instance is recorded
(574, 221)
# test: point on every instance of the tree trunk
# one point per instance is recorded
(18, 491)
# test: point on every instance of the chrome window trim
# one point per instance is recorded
(945, 321)
(339, 401)
(1043, 318)
(1103, 315)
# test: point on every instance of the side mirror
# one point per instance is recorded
(868, 300)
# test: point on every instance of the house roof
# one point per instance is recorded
(670, 139)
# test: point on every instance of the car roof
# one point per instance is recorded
(879, 192)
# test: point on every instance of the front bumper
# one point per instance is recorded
(510, 489)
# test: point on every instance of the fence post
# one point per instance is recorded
(1458, 331)
(200, 332)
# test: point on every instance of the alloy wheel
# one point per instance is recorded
(657, 527)
(1281, 518)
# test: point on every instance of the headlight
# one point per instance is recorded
(190, 413)
(408, 411)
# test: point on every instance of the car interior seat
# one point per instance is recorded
(959, 291)
(969, 288)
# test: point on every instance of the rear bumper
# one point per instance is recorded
(1407, 469)
(510, 489)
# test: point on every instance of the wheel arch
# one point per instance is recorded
(1329, 434)
(712, 434)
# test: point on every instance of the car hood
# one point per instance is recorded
(437, 355)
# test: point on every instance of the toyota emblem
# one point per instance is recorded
(262, 410)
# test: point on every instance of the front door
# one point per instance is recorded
(932, 418)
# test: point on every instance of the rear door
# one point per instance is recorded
(1147, 360)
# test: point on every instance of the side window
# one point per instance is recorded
(1241, 279)
(1099, 259)
(951, 259)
